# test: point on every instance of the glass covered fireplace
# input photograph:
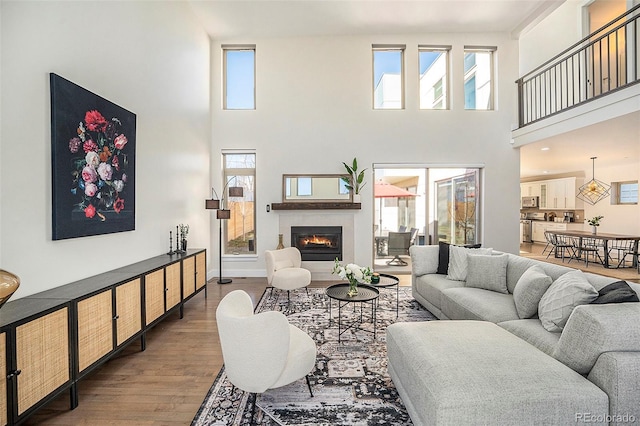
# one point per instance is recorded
(318, 242)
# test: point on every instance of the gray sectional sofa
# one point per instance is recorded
(497, 363)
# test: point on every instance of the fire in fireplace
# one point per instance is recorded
(318, 242)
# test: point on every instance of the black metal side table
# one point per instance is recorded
(366, 295)
(388, 281)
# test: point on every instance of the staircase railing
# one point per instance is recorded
(601, 63)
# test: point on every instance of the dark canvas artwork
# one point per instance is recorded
(93, 163)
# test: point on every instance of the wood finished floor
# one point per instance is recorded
(165, 384)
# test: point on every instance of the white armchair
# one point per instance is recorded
(261, 351)
(284, 271)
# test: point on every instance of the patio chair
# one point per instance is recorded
(399, 243)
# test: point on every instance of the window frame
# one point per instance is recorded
(388, 47)
(471, 72)
(235, 48)
(227, 179)
(444, 98)
(616, 192)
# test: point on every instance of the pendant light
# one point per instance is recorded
(594, 190)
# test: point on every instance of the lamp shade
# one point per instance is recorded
(212, 204)
(223, 214)
(236, 191)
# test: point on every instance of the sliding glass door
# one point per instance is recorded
(456, 208)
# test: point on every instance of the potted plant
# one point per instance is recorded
(355, 181)
(595, 222)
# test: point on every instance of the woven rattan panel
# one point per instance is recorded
(173, 285)
(201, 270)
(42, 355)
(188, 276)
(3, 383)
(95, 328)
(128, 308)
(154, 295)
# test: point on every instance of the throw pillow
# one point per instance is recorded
(487, 272)
(529, 289)
(618, 292)
(564, 294)
(443, 256)
(458, 264)
(424, 260)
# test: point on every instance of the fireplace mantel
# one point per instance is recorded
(316, 206)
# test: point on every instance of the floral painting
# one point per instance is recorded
(93, 162)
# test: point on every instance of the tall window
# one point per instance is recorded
(239, 77)
(239, 231)
(478, 77)
(388, 80)
(434, 76)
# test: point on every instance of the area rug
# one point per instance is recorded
(350, 383)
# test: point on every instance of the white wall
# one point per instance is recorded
(558, 31)
(314, 111)
(151, 58)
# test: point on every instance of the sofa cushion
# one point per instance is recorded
(431, 286)
(458, 264)
(487, 272)
(468, 303)
(424, 259)
(532, 331)
(529, 290)
(475, 373)
(595, 329)
(518, 265)
(443, 256)
(618, 292)
(564, 294)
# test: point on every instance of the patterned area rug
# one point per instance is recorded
(350, 383)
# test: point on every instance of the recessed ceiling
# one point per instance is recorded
(615, 142)
(299, 18)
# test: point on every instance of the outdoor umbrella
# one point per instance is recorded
(386, 190)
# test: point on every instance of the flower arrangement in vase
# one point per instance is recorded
(595, 222)
(354, 274)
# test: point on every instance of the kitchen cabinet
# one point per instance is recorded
(529, 189)
(539, 228)
(556, 194)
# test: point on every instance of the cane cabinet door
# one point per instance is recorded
(154, 295)
(128, 310)
(172, 278)
(42, 356)
(188, 276)
(95, 328)
(201, 270)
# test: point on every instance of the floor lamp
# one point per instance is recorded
(222, 214)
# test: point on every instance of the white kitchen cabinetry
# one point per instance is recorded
(556, 194)
(539, 228)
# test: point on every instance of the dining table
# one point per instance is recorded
(606, 239)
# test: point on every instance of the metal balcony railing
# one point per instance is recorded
(601, 63)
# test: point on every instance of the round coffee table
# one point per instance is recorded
(366, 294)
(388, 281)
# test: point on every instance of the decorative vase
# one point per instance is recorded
(184, 245)
(280, 245)
(9, 283)
(594, 230)
(357, 198)
(353, 287)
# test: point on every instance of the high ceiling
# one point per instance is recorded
(225, 19)
(245, 20)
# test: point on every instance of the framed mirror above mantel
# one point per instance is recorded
(315, 191)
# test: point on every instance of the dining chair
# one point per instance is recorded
(587, 247)
(261, 351)
(624, 249)
(566, 245)
(550, 237)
